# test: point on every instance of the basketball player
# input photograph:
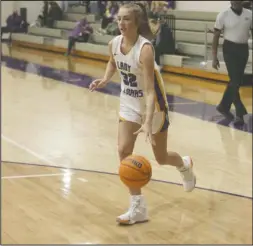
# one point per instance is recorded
(143, 103)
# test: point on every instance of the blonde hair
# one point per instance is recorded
(141, 18)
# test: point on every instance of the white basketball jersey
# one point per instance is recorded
(132, 84)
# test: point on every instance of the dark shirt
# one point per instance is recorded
(13, 21)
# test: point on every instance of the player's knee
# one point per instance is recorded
(124, 151)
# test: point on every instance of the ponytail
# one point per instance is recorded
(144, 27)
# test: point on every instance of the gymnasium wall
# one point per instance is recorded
(207, 6)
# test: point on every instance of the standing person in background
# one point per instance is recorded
(236, 23)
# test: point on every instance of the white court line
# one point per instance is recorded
(40, 157)
(33, 176)
(83, 180)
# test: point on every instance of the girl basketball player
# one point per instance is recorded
(143, 103)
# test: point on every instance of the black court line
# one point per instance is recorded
(109, 173)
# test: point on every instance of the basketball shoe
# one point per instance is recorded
(136, 213)
(189, 178)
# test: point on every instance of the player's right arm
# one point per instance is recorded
(111, 65)
(109, 72)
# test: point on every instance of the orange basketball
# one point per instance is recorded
(135, 171)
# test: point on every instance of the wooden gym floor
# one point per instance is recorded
(59, 160)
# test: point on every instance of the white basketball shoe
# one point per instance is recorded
(189, 178)
(136, 213)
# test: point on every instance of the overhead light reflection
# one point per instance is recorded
(66, 181)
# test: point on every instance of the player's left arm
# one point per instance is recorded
(147, 61)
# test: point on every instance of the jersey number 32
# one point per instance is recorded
(129, 79)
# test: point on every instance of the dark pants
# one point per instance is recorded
(44, 20)
(72, 40)
(106, 21)
(87, 6)
(236, 58)
(50, 22)
(101, 8)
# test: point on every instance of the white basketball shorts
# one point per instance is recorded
(160, 119)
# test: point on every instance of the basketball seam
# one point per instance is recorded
(135, 169)
(136, 180)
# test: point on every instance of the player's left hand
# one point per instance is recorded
(147, 130)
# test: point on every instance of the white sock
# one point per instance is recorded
(185, 167)
(137, 197)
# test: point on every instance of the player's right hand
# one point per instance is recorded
(98, 83)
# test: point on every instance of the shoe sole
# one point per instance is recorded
(128, 222)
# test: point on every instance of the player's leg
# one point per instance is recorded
(126, 141)
(126, 137)
(137, 211)
(165, 157)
